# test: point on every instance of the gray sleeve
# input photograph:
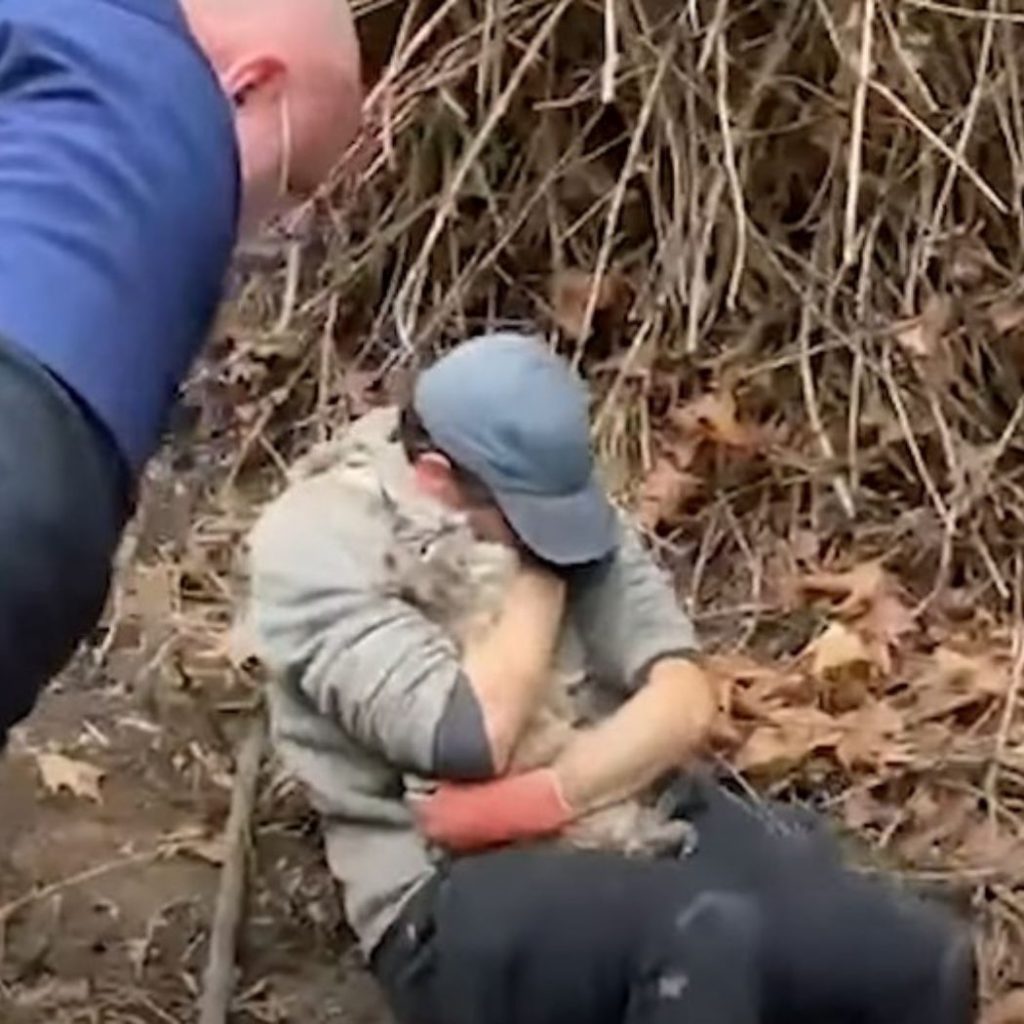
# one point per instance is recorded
(462, 750)
(372, 663)
(627, 615)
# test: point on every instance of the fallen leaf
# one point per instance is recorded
(862, 811)
(78, 777)
(871, 737)
(570, 293)
(885, 624)
(958, 675)
(988, 847)
(753, 690)
(1007, 1010)
(52, 993)
(663, 490)
(1007, 316)
(858, 587)
(213, 851)
(937, 824)
(714, 416)
(839, 647)
(922, 335)
(793, 735)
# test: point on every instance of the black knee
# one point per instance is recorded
(707, 968)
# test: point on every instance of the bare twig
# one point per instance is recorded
(219, 979)
(860, 100)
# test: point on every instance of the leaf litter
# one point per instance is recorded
(79, 778)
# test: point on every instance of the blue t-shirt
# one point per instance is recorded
(119, 196)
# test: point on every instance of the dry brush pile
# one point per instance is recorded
(783, 239)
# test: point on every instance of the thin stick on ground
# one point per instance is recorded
(219, 980)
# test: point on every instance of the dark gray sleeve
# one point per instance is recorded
(461, 749)
(628, 617)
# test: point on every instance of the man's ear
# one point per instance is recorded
(433, 474)
(253, 75)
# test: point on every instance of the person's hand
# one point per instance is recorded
(464, 817)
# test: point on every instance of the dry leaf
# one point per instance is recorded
(793, 735)
(213, 851)
(871, 737)
(970, 674)
(80, 778)
(862, 811)
(887, 622)
(714, 416)
(839, 647)
(921, 336)
(936, 824)
(1007, 1010)
(1007, 316)
(754, 690)
(665, 488)
(867, 593)
(570, 293)
(988, 847)
(858, 587)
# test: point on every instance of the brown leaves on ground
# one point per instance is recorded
(705, 426)
(790, 737)
(839, 647)
(875, 703)
(64, 773)
(874, 612)
(1007, 1010)
(921, 336)
(714, 417)
(570, 295)
(663, 491)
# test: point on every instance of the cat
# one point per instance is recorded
(459, 582)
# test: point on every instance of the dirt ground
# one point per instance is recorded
(107, 883)
(125, 886)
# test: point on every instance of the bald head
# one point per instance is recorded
(291, 69)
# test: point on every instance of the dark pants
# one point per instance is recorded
(757, 928)
(63, 504)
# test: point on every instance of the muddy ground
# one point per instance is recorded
(128, 943)
(107, 883)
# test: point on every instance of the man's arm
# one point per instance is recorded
(509, 666)
(657, 730)
(373, 664)
(637, 640)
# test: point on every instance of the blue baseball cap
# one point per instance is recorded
(506, 408)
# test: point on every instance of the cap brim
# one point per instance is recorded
(566, 530)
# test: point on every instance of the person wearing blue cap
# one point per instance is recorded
(467, 908)
(138, 138)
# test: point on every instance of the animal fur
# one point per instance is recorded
(459, 582)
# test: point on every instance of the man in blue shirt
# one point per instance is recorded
(138, 137)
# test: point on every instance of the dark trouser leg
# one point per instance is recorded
(839, 948)
(546, 936)
(843, 949)
(62, 508)
(708, 967)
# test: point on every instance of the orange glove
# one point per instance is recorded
(463, 817)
